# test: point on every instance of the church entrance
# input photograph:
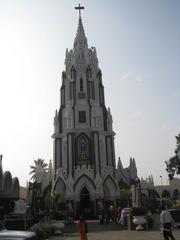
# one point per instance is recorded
(85, 203)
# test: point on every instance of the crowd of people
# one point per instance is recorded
(118, 216)
(110, 214)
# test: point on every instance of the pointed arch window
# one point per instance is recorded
(165, 194)
(84, 192)
(88, 73)
(82, 116)
(81, 85)
(175, 194)
(71, 90)
(73, 73)
(99, 75)
(84, 198)
(91, 90)
(62, 95)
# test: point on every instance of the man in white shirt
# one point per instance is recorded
(166, 221)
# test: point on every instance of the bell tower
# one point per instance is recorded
(84, 155)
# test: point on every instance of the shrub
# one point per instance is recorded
(138, 211)
(44, 231)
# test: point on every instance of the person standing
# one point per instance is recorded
(111, 213)
(100, 211)
(117, 214)
(166, 222)
(122, 219)
(82, 228)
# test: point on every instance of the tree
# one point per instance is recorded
(173, 164)
(38, 170)
(55, 196)
(125, 197)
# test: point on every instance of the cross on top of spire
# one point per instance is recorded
(79, 8)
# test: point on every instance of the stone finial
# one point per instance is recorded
(1, 156)
(56, 122)
(109, 120)
(119, 165)
(50, 164)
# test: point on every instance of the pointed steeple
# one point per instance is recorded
(80, 30)
(80, 41)
(119, 165)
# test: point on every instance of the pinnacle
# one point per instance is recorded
(80, 42)
(80, 30)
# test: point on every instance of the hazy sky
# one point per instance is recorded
(138, 47)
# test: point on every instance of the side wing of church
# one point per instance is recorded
(84, 156)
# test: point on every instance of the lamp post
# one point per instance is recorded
(138, 184)
(161, 180)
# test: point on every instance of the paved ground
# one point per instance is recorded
(121, 235)
(104, 232)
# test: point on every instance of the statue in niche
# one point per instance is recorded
(73, 73)
(83, 150)
(83, 147)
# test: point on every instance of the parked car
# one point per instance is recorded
(15, 235)
(175, 213)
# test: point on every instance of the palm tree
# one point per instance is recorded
(38, 170)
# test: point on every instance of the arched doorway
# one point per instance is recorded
(85, 204)
(165, 194)
(175, 194)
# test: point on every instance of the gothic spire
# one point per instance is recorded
(80, 29)
(80, 41)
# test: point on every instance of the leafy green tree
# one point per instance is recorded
(125, 197)
(173, 164)
(55, 196)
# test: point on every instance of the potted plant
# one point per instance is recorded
(139, 219)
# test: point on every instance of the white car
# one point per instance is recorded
(16, 235)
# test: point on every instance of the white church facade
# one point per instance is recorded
(84, 154)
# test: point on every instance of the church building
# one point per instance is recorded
(83, 154)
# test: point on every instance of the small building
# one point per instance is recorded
(170, 192)
(168, 195)
(9, 190)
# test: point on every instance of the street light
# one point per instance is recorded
(161, 180)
